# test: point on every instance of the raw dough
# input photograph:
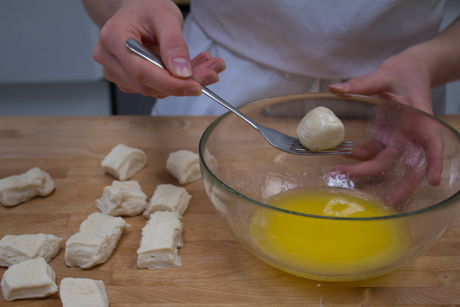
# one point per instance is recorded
(168, 197)
(160, 239)
(21, 188)
(83, 292)
(16, 249)
(320, 129)
(95, 242)
(122, 198)
(29, 279)
(123, 162)
(184, 166)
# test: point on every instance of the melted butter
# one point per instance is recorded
(321, 247)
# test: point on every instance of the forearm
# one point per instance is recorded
(440, 56)
(101, 10)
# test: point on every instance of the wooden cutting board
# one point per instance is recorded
(216, 270)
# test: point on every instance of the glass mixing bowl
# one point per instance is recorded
(405, 163)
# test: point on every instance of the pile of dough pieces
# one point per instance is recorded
(29, 274)
(162, 234)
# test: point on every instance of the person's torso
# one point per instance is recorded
(320, 38)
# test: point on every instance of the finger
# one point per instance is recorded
(118, 75)
(207, 72)
(167, 25)
(428, 136)
(152, 76)
(201, 58)
(370, 84)
(127, 88)
(367, 151)
(382, 162)
(404, 188)
(434, 148)
(114, 78)
(216, 64)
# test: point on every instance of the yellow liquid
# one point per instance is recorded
(316, 247)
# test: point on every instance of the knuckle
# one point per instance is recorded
(142, 89)
(160, 96)
(138, 75)
(175, 42)
(97, 54)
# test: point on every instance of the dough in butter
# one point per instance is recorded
(320, 129)
(123, 162)
(83, 292)
(21, 188)
(122, 198)
(160, 239)
(168, 197)
(95, 242)
(16, 249)
(29, 279)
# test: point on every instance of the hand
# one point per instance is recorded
(404, 135)
(158, 25)
(402, 78)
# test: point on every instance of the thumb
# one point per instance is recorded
(173, 48)
(370, 84)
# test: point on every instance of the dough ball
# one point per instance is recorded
(320, 129)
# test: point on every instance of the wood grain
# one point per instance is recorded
(216, 270)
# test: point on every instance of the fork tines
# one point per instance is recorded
(344, 148)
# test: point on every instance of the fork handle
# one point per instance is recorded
(147, 54)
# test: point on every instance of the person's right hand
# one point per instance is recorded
(157, 24)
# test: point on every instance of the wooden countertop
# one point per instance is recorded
(216, 270)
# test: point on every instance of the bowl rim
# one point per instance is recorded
(367, 99)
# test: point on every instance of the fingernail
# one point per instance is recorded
(430, 175)
(193, 91)
(205, 58)
(181, 67)
(211, 80)
(342, 87)
(218, 67)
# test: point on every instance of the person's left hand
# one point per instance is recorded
(402, 79)
(405, 135)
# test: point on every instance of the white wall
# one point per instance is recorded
(452, 10)
(46, 65)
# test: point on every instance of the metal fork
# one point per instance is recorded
(274, 137)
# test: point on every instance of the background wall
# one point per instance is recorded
(46, 66)
(451, 11)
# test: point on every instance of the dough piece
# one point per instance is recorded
(21, 188)
(184, 166)
(168, 197)
(83, 292)
(320, 129)
(122, 198)
(16, 249)
(95, 242)
(160, 239)
(29, 279)
(123, 162)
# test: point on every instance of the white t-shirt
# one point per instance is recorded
(274, 47)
